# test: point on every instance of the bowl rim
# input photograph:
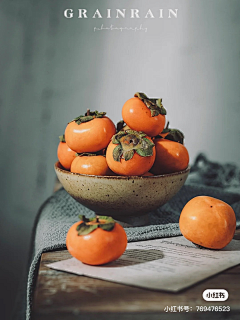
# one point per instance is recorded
(59, 167)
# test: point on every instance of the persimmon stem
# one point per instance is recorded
(88, 112)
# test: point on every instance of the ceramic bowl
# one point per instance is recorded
(121, 197)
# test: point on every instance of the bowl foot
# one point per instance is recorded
(133, 221)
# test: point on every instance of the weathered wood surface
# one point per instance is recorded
(65, 296)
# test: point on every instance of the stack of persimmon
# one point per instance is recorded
(140, 145)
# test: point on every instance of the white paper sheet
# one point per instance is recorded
(169, 264)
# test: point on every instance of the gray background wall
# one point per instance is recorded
(53, 68)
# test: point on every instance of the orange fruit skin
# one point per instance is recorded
(138, 117)
(94, 165)
(91, 136)
(148, 174)
(163, 135)
(98, 247)
(65, 155)
(171, 157)
(208, 222)
(137, 166)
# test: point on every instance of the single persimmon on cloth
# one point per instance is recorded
(60, 211)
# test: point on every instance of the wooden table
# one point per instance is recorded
(64, 296)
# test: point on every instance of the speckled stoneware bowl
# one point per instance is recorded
(121, 197)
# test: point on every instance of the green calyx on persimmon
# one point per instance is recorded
(153, 104)
(88, 225)
(172, 134)
(62, 138)
(89, 115)
(131, 141)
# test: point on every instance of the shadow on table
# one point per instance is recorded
(136, 256)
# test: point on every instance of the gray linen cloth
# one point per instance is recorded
(60, 211)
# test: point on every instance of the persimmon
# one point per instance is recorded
(208, 222)
(130, 153)
(171, 157)
(144, 114)
(89, 133)
(91, 164)
(65, 154)
(96, 241)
